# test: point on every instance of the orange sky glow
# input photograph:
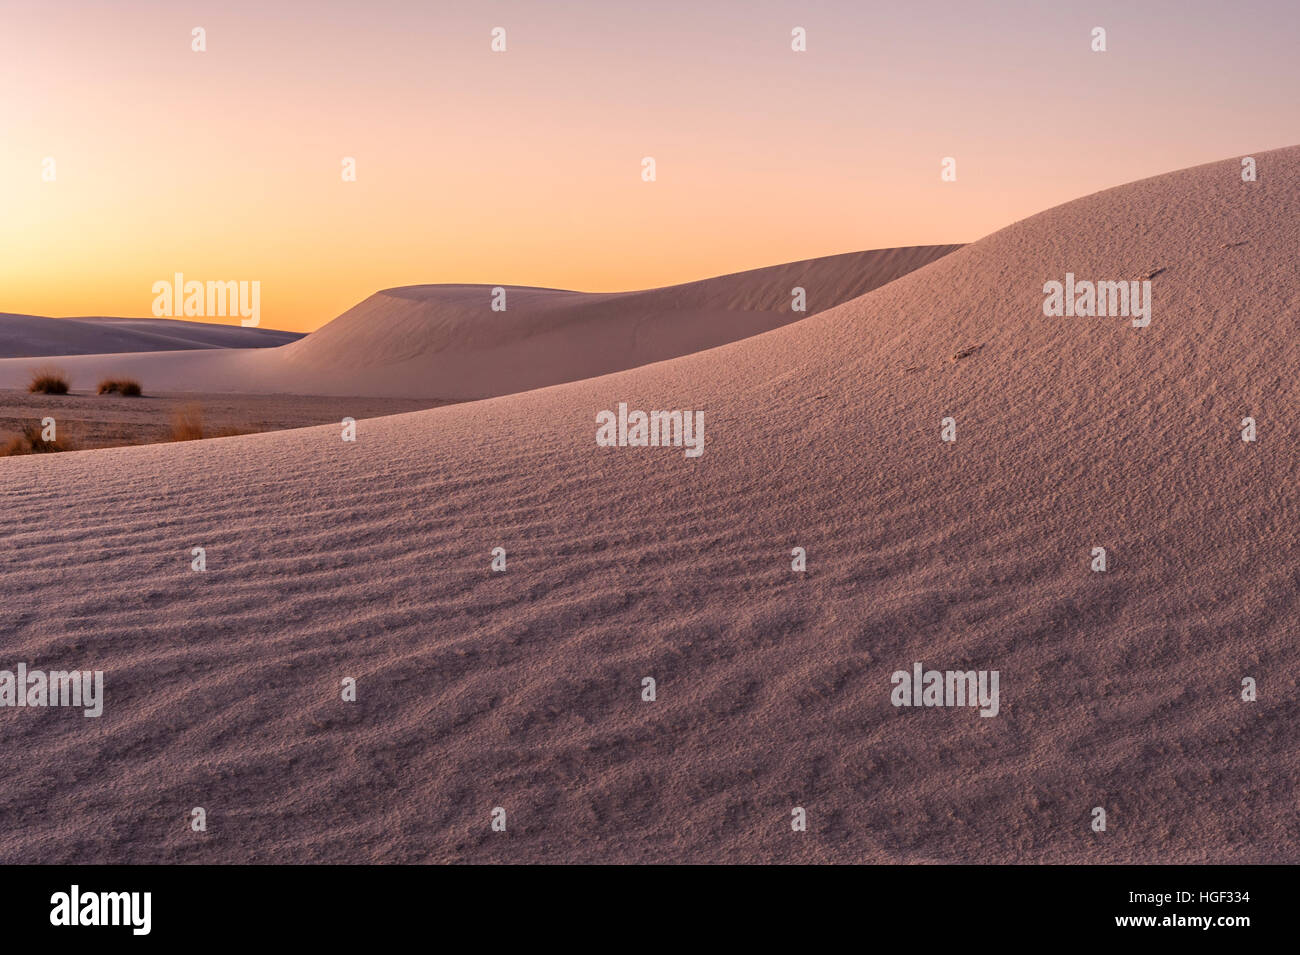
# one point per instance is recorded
(524, 167)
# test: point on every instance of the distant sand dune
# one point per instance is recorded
(24, 336)
(522, 689)
(445, 342)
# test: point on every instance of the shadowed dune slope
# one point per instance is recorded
(523, 689)
(446, 342)
(24, 336)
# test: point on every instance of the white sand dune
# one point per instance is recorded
(445, 342)
(523, 689)
(25, 336)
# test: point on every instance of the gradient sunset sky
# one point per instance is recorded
(524, 167)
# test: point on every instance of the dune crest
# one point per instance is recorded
(445, 341)
(27, 336)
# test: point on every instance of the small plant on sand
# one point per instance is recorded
(120, 386)
(31, 442)
(187, 423)
(48, 381)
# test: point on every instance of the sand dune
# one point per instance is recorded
(523, 689)
(444, 341)
(24, 336)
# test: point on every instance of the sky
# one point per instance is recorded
(524, 167)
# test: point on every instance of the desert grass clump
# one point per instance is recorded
(120, 386)
(48, 381)
(31, 442)
(187, 423)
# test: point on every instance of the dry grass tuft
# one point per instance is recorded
(48, 381)
(187, 423)
(120, 386)
(31, 442)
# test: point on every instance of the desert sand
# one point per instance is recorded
(25, 336)
(522, 689)
(88, 421)
(444, 342)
